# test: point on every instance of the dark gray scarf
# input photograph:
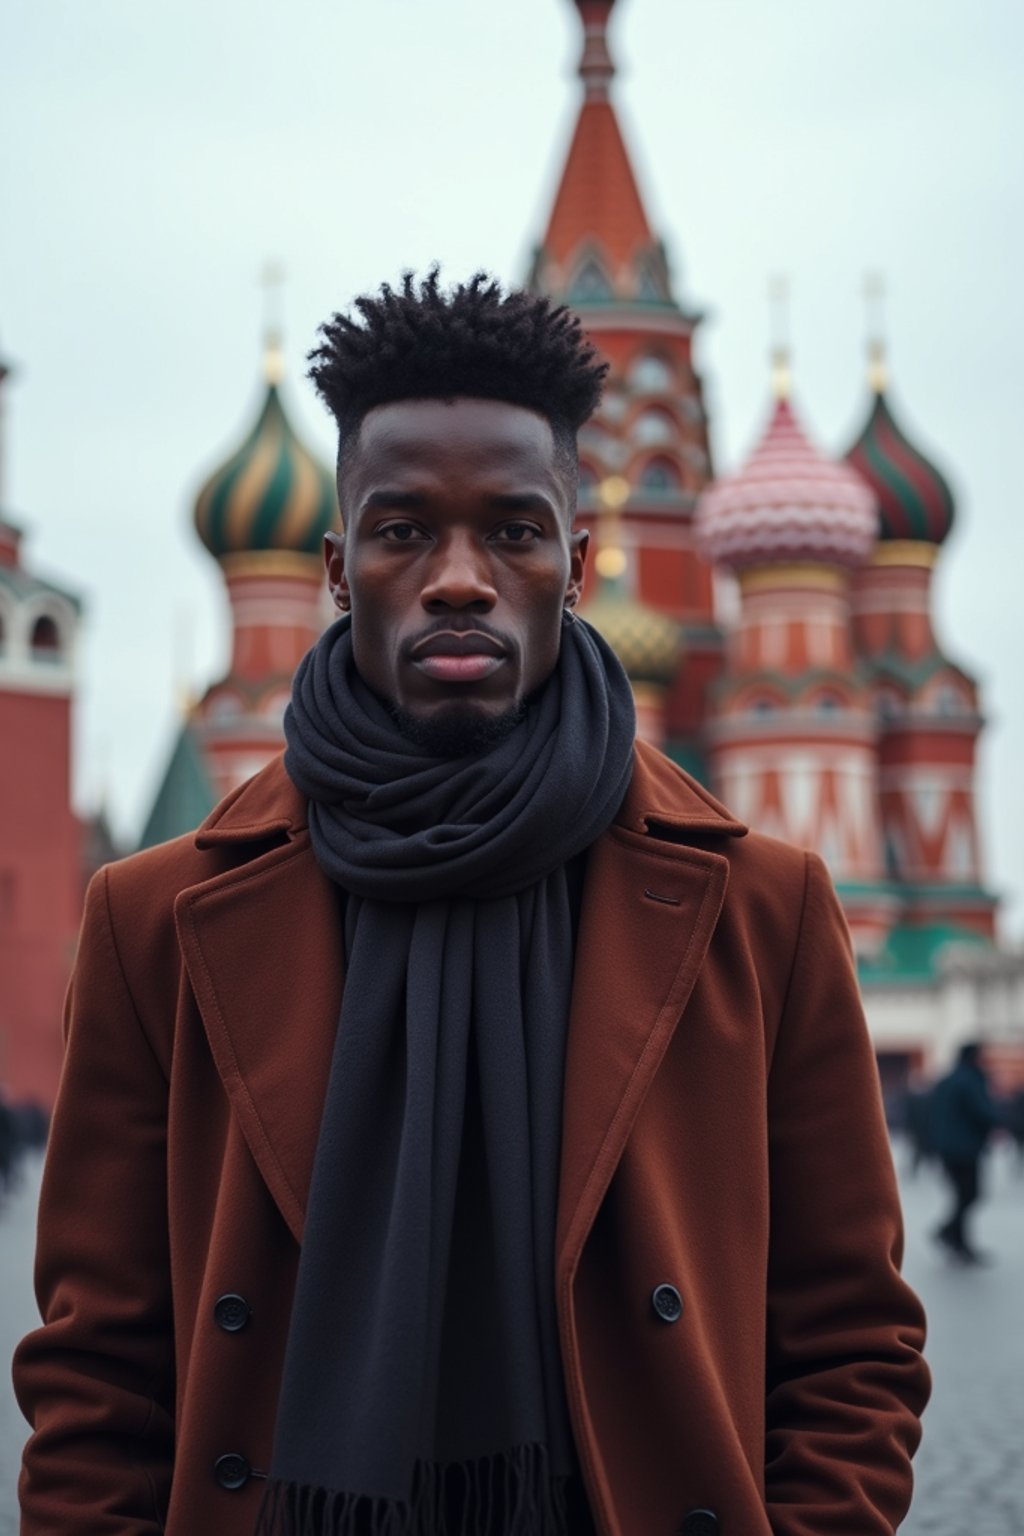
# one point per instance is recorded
(422, 1391)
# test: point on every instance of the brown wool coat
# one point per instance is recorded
(722, 1134)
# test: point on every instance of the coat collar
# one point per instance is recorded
(264, 807)
(261, 945)
(660, 795)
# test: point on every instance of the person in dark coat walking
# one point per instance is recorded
(8, 1144)
(962, 1118)
(1015, 1125)
(916, 1124)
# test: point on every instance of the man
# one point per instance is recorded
(470, 1129)
(961, 1117)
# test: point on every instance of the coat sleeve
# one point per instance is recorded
(96, 1381)
(845, 1379)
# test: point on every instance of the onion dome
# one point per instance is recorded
(788, 503)
(271, 494)
(648, 643)
(914, 499)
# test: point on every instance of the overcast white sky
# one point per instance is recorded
(155, 155)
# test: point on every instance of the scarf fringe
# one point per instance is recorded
(510, 1494)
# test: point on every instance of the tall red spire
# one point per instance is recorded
(648, 441)
(596, 67)
(599, 247)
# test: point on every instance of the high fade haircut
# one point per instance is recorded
(473, 340)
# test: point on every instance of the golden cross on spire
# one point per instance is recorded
(874, 301)
(778, 300)
(272, 279)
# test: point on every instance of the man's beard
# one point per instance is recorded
(457, 735)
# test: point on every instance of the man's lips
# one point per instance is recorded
(462, 668)
(464, 656)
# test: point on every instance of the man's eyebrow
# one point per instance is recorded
(394, 500)
(522, 501)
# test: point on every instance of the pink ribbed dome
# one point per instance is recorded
(787, 503)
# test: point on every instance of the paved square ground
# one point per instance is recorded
(970, 1470)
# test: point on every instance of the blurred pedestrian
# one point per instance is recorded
(1015, 1125)
(8, 1145)
(916, 1118)
(962, 1116)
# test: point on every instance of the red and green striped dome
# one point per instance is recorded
(270, 494)
(915, 501)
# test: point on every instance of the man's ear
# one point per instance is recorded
(579, 544)
(334, 562)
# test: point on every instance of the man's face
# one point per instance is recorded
(457, 560)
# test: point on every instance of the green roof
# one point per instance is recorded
(186, 796)
(686, 755)
(22, 584)
(911, 954)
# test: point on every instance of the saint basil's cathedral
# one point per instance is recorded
(824, 711)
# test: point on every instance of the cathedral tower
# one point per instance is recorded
(927, 705)
(792, 733)
(600, 255)
(262, 514)
(41, 839)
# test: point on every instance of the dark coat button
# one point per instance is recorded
(232, 1470)
(666, 1303)
(700, 1522)
(231, 1312)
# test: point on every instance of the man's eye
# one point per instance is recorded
(400, 533)
(518, 533)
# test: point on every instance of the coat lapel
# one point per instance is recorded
(263, 950)
(650, 908)
(262, 945)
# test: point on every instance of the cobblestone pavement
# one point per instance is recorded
(970, 1470)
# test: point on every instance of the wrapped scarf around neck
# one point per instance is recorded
(422, 1391)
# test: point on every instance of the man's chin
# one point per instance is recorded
(457, 732)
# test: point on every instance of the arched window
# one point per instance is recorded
(888, 703)
(224, 707)
(589, 283)
(826, 702)
(595, 438)
(651, 374)
(274, 707)
(661, 477)
(654, 427)
(948, 700)
(45, 641)
(614, 402)
(650, 284)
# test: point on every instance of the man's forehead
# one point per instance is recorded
(414, 432)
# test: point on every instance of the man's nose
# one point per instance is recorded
(460, 576)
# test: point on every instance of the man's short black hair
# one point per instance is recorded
(473, 340)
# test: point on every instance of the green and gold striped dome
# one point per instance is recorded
(271, 493)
